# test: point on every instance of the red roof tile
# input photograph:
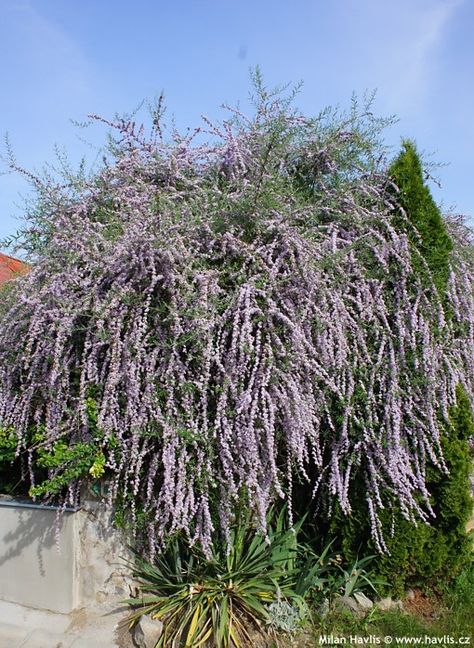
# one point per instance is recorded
(10, 267)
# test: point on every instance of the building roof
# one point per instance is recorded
(10, 267)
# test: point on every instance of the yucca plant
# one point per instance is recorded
(219, 600)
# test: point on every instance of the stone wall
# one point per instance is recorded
(101, 551)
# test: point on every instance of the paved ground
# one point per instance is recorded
(22, 627)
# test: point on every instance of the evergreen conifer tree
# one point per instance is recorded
(429, 234)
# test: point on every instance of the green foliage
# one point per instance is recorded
(421, 554)
(459, 602)
(348, 580)
(461, 416)
(429, 236)
(8, 445)
(10, 466)
(56, 465)
(70, 463)
(67, 463)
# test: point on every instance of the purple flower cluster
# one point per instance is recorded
(237, 336)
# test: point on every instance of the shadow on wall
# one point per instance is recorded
(35, 570)
(31, 530)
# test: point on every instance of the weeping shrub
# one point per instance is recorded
(236, 335)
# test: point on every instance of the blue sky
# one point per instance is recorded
(62, 59)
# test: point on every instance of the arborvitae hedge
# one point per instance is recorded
(429, 234)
